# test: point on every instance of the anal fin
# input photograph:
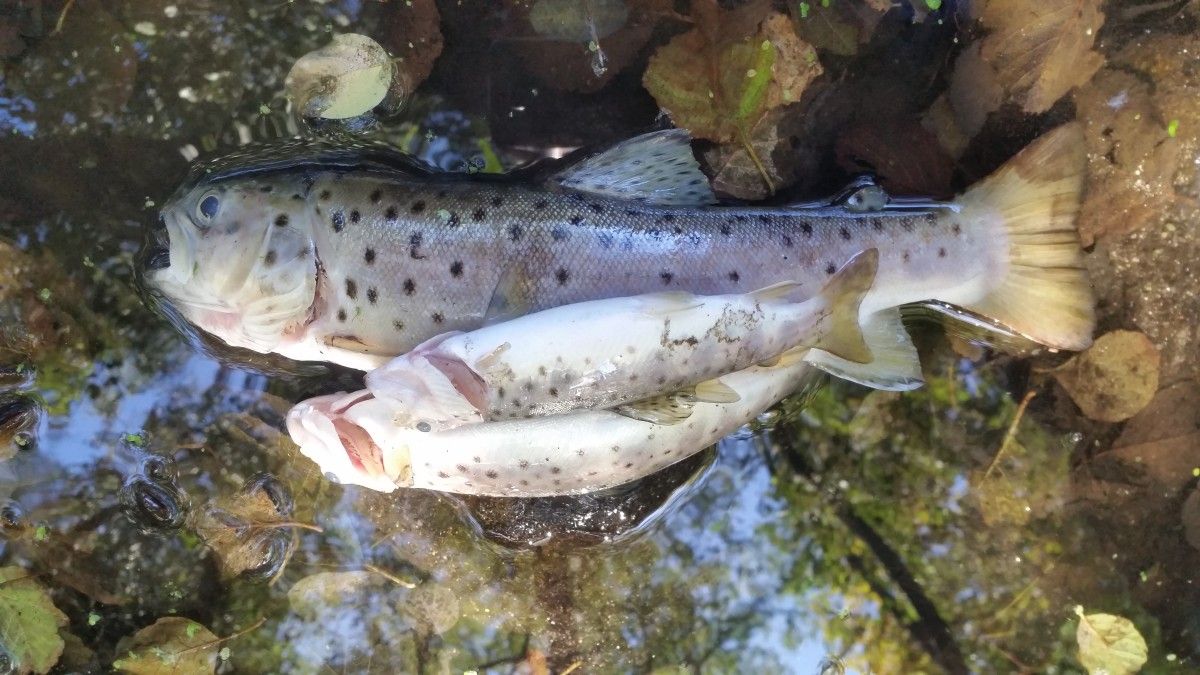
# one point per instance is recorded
(895, 365)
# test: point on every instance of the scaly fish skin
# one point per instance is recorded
(572, 453)
(396, 258)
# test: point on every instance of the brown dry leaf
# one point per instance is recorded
(172, 644)
(907, 159)
(974, 92)
(718, 88)
(243, 533)
(840, 27)
(1115, 378)
(1041, 49)
(1163, 440)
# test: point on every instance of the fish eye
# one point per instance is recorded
(424, 426)
(208, 207)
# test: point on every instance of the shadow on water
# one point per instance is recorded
(145, 473)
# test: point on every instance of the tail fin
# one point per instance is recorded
(1035, 197)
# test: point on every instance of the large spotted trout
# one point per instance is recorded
(357, 255)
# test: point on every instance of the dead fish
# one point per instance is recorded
(354, 440)
(621, 353)
(358, 254)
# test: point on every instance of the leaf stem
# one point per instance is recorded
(1012, 431)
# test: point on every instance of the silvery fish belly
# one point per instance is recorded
(355, 439)
(356, 255)
(624, 352)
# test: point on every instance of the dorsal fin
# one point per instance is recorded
(654, 168)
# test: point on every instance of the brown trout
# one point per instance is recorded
(358, 255)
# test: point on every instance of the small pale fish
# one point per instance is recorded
(622, 351)
(358, 254)
(354, 439)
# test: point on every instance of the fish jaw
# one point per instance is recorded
(430, 390)
(342, 448)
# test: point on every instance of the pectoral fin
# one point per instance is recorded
(677, 406)
(512, 297)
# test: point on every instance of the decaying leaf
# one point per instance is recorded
(343, 79)
(29, 622)
(412, 31)
(839, 27)
(1109, 644)
(1161, 444)
(719, 88)
(1041, 49)
(773, 142)
(1115, 378)
(317, 591)
(247, 533)
(577, 21)
(172, 644)
(974, 92)
(906, 158)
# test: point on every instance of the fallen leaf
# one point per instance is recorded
(343, 79)
(773, 142)
(1115, 378)
(840, 27)
(974, 92)
(1041, 49)
(248, 534)
(905, 157)
(412, 32)
(721, 89)
(575, 21)
(29, 622)
(1161, 444)
(172, 644)
(1109, 644)
(310, 595)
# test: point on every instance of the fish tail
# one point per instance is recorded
(1031, 203)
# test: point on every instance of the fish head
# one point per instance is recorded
(429, 392)
(239, 261)
(339, 432)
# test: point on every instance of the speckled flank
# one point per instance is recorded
(433, 254)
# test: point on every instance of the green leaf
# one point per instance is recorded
(29, 622)
(1109, 644)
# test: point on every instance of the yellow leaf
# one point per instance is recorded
(1109, 644)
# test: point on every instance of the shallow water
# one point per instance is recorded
(145, 474)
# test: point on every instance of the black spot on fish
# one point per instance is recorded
(908, 225)
(734, 276)
(414, 246)
(417, 206)
(462, 468)
(554, 392)
(956, 229)
(351, 289)
(369, 256)
(605, 239)
(930, 219)
(390, 214)
(266, 188)
(438, 318)
(575, 220)
(540, 204)
(398, 325)
(941, 253)
(376, 196)
(845, 233)
(269, 259)
(453, 220)
(806, 228)
(339, 221)
(410, 287)
(372, 295)
(877, 223)
(281, 220)
(666, 277)
(726, 230)
(491, 473)
(497, 201)
(764, 218)
(558, 233)
(830, 268)
(528, 386)
(555, 470)
(341, 315)
(456, 268)
(787, 241)
(596, 207)
(324, 196)
(515, 232)
(905, 257)
(500, 392)
(441, 194)
(354, 215)
(562, 275)
(443, 474)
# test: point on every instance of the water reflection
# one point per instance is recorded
(864, 529)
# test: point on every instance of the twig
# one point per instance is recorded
(1012, 431)
(62, 16)
(290, 523)
(213, 643)
(572, 668)
(390, 577)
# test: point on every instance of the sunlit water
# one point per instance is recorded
(868, 531)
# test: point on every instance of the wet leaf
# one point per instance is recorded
(1109, 644)
(772, 141)
(720, 89)
(412, 31)
(974, 93)
(575, 21)
(29, 622)
(172, 644)
(1041, 49)
(247, 533)
(1115, 378)
(906, 158)
(315, 592)
(840, 27)
(343, 79)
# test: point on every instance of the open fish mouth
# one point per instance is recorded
(341, 447)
